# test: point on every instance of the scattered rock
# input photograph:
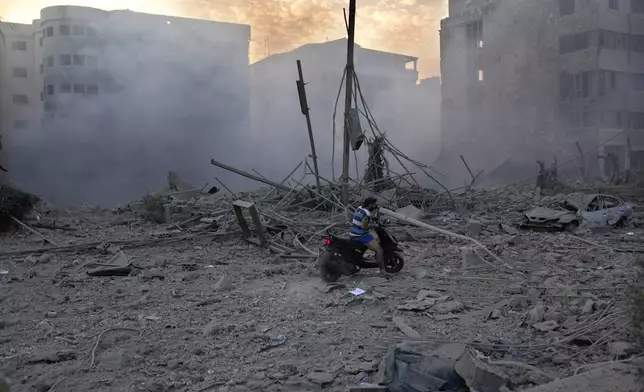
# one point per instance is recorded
(619, 350)
(509, 229)
(479, 375)
(471, 259)
(589, 307)
(321, 378)
(496, 314)
(516, 240)
(546, 326)
(514, 289)
(537, 313)
(553, 315)
(587, 258)
(224, 283)
(474, 228)
(44, 258)
(448, 307)
(51, 314)
(114, 360)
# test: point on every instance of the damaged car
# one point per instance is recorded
(576, 209)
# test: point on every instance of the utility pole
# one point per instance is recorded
(347, 102)
(304, 105)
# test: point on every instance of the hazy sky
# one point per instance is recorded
(402, 26)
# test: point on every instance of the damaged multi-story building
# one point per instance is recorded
(122, 97)
(530, 80)
(407, 110)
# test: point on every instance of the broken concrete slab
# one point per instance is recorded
(478, 375)
(411, 212)
(609, 378)
(448, 307)
(406, 329)
(546, 326)
(470, 258)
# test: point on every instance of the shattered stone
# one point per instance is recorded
(479, 375)
(471, 259)
(537, 313)
(448, 307)
(553, 315)
(495, 315)
(321, 378)
(516, 240)
(224, 283)
(589, 307)
(587, 258)
(619, 350)
(514, 289)
(509, 229)
(546, 326)
(474, 228)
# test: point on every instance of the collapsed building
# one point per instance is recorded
(105, 98)
(528, 80)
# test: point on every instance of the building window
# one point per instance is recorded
(637, 43)
(92, 61)
(474, 32)
(42, 69)
(613, 40)
(19, 45)
(49, 31)
(636, 120)
(566, 7)
(613, 5)
(79, 88)
(638, 82)
(612, 79)
(574, 42)
(90, 31)
(19, 72)
(50, 61)
(566, 83)
(50, 89)
(92, 89)
(20, 124)
(40, 41)
(481, 75)
(601, 76)
(79, 59)
(637, 6)
(65, 59)
(64, 30)
(79, 30)
(20, 99)
(585, 84)
(65, 88)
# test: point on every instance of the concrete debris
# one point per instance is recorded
(620, 350)
(546, 326)
(197, 288)
(616, 377)
(474, 228)
(478, 375)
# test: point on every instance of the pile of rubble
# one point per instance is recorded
(195, 289)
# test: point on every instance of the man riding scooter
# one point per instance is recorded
(360, 230)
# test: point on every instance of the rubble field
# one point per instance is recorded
(201, 309)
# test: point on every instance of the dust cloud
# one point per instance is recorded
(158, 112)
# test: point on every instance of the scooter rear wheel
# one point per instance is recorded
(394, 263)
(330, 270)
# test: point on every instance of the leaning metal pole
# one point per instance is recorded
(347, 102)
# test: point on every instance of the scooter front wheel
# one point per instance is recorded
(394, 263)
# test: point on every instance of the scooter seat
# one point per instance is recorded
(348, 241)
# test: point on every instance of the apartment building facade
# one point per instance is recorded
(388, 82)
(131, 95)
(20, 104)
(530, 79)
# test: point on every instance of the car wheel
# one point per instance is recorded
(572, 226)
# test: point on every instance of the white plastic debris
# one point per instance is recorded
(357, 291)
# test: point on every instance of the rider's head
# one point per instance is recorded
(370, 203)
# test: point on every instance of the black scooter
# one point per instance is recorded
(346, 257)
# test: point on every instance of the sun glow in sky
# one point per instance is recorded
(401, 26)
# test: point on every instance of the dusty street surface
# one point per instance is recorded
(206, 313)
